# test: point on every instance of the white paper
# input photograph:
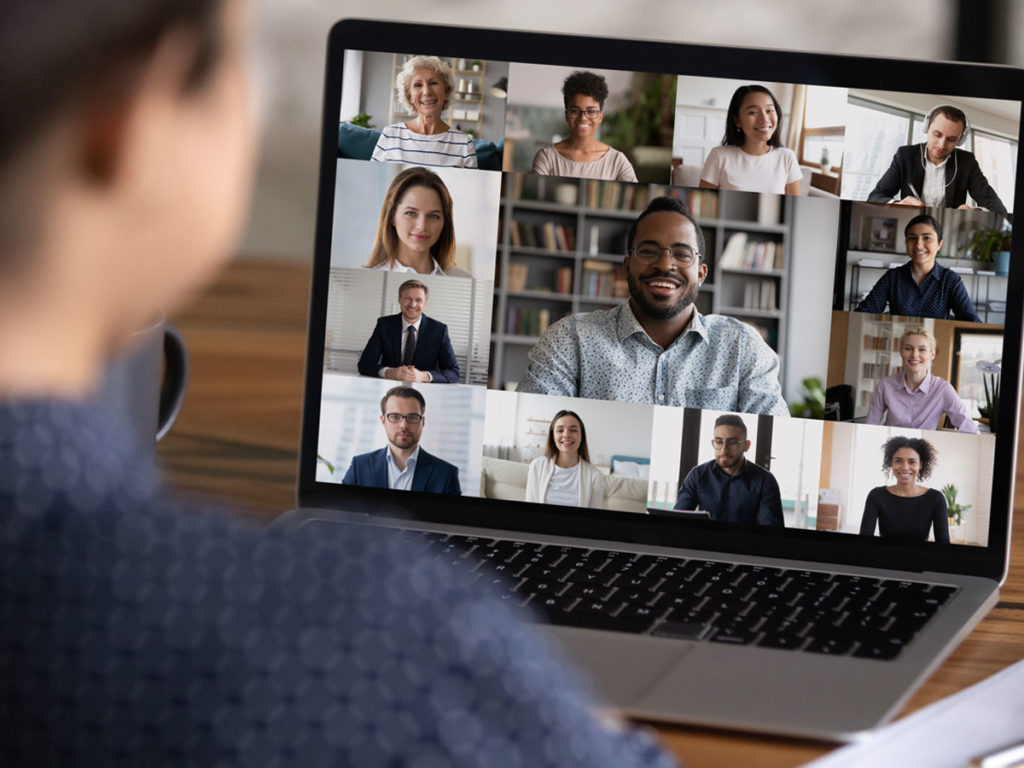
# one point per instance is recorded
(949, 733)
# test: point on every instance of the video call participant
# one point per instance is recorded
(416, 232)
(906, 510)
(915, 397)
(424, 86)
(751, 157)
(564, 474)
(402, 465)
(937, 172)
(410, 346)
(141, 628)
(581, 154)
(730, 488)
(921, 287)
(657, 348)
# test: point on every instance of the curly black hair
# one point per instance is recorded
(586, 84)
(925, 451)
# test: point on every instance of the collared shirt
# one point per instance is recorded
(921, 408)
(398, 266)
(718, 363)
(750, 497)
(939, 293)
(934, 192)
(139, 629)
(401, 479)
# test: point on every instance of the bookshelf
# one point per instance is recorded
(562, 242)
(466, 103)
(873, 353)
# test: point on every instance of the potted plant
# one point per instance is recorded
(813, 406)
(954, 511)
(362, 120)
(990, 381)
(992, 245)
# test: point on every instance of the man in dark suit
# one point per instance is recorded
(937, 173)
(410, 346)
(403, 465)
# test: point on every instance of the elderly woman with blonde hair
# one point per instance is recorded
(424, 86)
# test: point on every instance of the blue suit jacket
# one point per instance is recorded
(434, 351)
(432, 475)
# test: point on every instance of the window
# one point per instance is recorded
(823, 133)
(997, 157)
(970, 348)
(873, 134)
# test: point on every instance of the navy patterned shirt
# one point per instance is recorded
(138, 630)
(718, 363)
(941, 292)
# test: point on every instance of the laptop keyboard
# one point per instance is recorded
(698, 599)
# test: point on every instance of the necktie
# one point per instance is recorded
(410, 345)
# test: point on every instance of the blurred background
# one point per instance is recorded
(292, 40)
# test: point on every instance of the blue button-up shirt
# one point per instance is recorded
(751, 496)
(717, 363)
(941, 292)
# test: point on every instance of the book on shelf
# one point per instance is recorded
(880, 343)
(758, 255)
(759, 294)
(603, 279)
(870, 263)
(547, 235)
(874, 370)
(624, 196)
(517, 276)
(522, 321)
(563, 280)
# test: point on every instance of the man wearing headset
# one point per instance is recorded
(937, 172)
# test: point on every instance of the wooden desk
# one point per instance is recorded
(238, 434)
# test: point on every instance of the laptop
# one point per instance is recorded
(540, 438)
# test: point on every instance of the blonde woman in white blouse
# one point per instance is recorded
(564, 474)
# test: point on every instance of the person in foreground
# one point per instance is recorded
(730, 488)
(921, 287)
(657, 348)
(906, 510)
(914, 397)
(751, 157)
(582, 154)
(424, 86)
(416, 232)
(141, 630)
(410, 346)
(564, 474)
(402, 465)
(936, 172)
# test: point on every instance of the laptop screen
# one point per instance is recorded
(721, 296)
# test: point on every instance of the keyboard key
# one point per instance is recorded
(782, 640)
(682, 630)
(734, 636)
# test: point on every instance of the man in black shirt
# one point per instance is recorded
(730, 488)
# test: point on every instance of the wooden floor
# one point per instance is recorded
(238, 433)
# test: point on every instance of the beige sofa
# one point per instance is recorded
(502, 479)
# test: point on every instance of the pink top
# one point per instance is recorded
(920, 409)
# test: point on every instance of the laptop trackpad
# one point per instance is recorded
(622, 668)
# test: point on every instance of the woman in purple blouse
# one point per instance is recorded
(914, 397)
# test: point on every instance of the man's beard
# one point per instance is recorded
(661, 311)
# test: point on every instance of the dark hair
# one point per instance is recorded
(924, 218)
(56, 54)
(551, 449)
(733, 133)
(950, 113)
(925, 450)
(585, 84)
(409, 285)
(731, 420)
(53, 53)
(666, 204)
(403, 391)
(385, 244)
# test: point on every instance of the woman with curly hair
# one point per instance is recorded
(581, 154)
(906, 510)
(424, 87)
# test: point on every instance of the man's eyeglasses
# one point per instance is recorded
(575, 113)
(732, 443)
(682, 255)
(410, 418)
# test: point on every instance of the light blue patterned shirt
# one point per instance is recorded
(717, 363)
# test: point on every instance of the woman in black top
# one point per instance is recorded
(906, 510)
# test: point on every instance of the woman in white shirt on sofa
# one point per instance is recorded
(564, 474)
(752, 158)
